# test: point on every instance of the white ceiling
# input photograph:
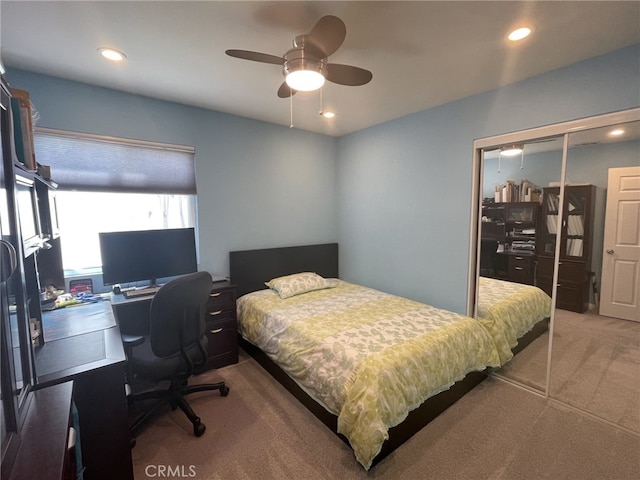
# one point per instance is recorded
(422, 54)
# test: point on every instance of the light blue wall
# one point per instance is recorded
(404, 186)
(259, 185)
(396, 196)
(539, 168)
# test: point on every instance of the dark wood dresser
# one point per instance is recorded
(222, 326)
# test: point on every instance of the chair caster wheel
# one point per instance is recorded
(224, 391)
(198, 429)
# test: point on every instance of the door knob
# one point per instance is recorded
(610, 251)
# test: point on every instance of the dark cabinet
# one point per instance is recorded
(38, 381)
(16, 353)
(575, 234)
(508, 241)
(222, 326)
(28, 415)
(520, 224)
(493, 221)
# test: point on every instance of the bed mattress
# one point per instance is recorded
(367, 356)
(508, 310)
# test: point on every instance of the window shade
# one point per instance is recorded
(106, 164)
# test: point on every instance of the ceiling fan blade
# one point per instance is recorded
(326, 37)
(285, 91)
(255, 56)
(348, 74)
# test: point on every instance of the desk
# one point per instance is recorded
(512, 265)
(45, 429)
(132, 314)
(95, 361)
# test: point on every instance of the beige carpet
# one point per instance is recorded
(497, 432)
(595, 366)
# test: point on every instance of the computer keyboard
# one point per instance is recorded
(141, 292)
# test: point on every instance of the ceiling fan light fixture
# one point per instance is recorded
(303, 74)
(511, 150)
(305, 80)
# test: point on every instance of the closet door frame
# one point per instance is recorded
(488, 143)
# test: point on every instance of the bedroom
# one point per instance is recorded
(386, 206)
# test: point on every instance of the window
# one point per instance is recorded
(108, 184)
(82, 215)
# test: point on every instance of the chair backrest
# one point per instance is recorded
(177, 313)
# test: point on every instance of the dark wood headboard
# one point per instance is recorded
(249, 269)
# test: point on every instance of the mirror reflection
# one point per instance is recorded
(512, 239)
(595, 360)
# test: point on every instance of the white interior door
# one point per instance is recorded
(620, 282)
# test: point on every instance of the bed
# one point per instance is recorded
(321, 348)
(515, 314)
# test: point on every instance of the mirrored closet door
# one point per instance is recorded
(513, 177)
(596, 337)
(583, 177)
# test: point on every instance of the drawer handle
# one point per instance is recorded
(215, 294)
(217, 312)
(217, 330)
(519, 258)
(518, 268)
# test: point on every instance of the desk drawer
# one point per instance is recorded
(520, 269)
(222, 346)
(222, 312)
(222, 300)
(222, 327)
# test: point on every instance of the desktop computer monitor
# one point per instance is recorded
(147, 255)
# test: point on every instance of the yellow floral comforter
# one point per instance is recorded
(509, 310)
(368, 356)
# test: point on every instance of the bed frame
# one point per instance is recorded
(537, 330)
(249, 269)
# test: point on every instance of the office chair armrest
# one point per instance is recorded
(131, 341)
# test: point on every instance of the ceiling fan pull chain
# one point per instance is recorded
(291, 110)
(499, 158)
(321, 104)
(522, 160)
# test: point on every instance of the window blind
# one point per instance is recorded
(108, 164)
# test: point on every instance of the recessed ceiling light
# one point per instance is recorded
(328, 114)
(616, 133)
(111, 54)
(519, 34)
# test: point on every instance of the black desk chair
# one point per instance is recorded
(173, 349)
(488, 257)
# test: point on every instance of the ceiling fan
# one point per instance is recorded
(305, 66)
